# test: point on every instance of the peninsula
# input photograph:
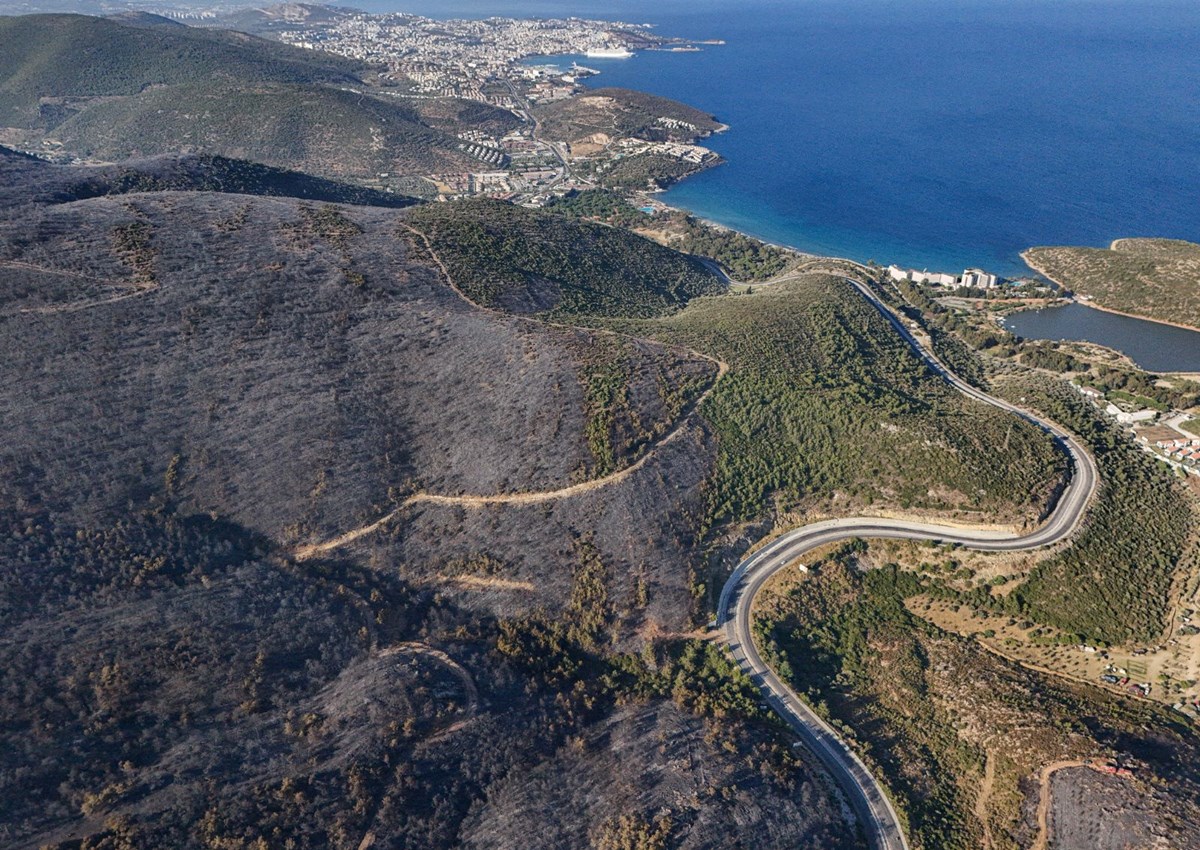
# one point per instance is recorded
(1156, 279)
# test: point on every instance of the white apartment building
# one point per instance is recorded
(978, 278)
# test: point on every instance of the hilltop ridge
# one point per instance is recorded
(25, 179)
(113, 88)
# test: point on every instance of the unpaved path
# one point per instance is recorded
(124, 289)
(984, 798)
(530, 498)
(488, 582)
(1043, 810)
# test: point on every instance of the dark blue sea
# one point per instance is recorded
(932, 133)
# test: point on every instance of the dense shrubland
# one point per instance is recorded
(823, 397)
(531, 262)
(1113, 584)
(743, 257)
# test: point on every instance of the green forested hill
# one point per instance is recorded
(823, 397)
(106, 89)
(326, 130)
(533, 262)
(82, 56)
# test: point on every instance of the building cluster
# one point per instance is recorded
(695, 154)
(678, 124)
(485, 154)
(463, 58)
(1185, 450)
(550, 88)
(970, 278)
(1165, 441)
(1125, 414)
(525, 161)
(529, 165)
(486, 61)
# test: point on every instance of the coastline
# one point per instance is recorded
(1103, 309)
(1090, 302)
(650, 194)
(1039, 270)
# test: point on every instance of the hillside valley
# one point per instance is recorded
(332, 518)
(247, 372)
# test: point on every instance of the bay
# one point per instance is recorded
(1152, 345)
(935, 134)
(930, 133)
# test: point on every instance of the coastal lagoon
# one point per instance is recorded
(1152, 345)
(936, 134)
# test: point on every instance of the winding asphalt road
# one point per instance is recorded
(865, 793)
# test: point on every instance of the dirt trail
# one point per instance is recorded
(530, 498)
(126, 289)
(488, 582)
(1043, 810)
(985, 796)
